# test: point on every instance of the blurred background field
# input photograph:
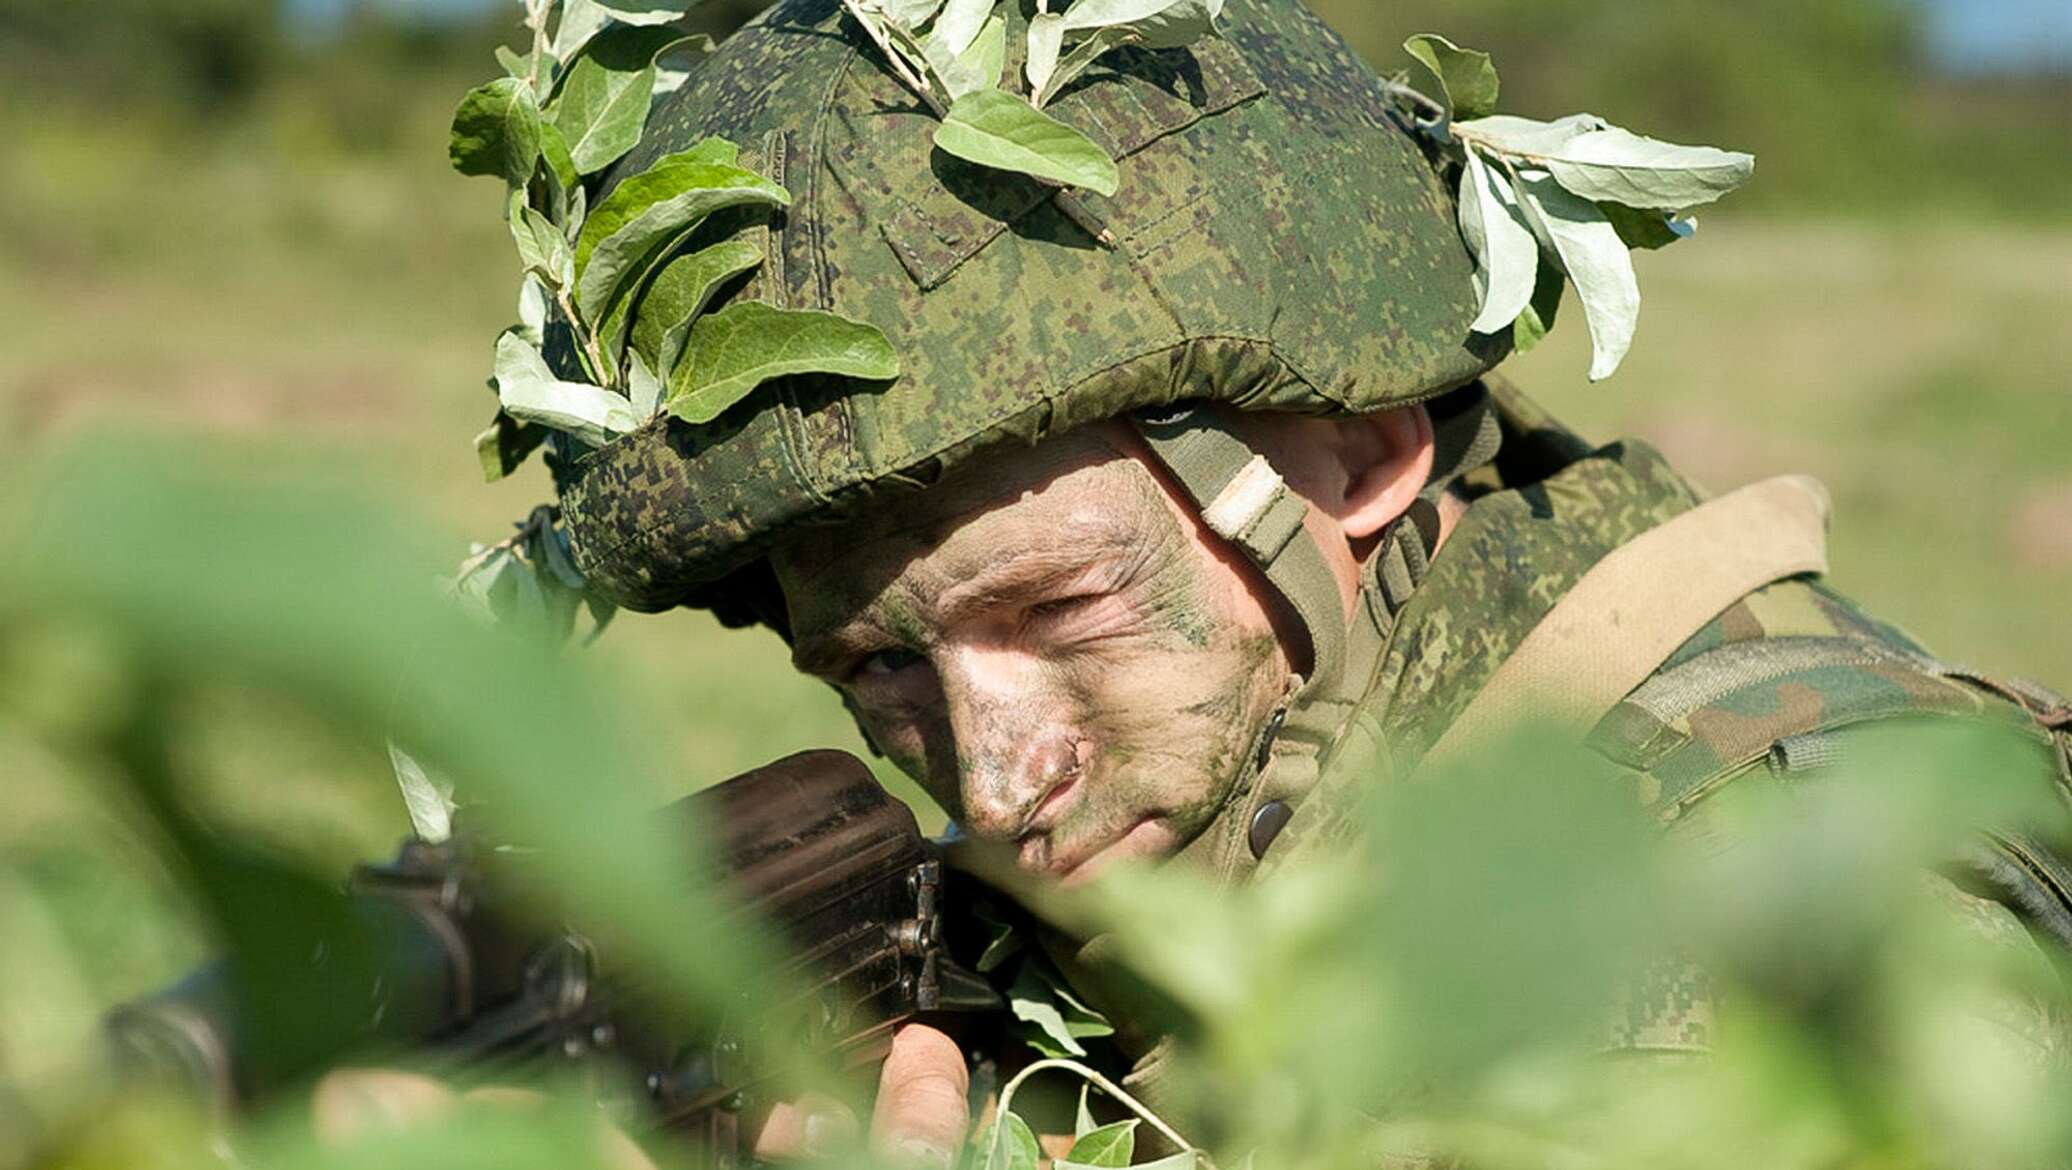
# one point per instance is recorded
(236, 220)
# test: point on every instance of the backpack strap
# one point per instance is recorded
(1634, 608)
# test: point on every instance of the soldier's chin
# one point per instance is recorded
(1149, 839)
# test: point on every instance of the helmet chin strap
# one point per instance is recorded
(1246, 502)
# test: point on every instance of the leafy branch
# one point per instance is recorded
(609, 269)
(1543, 204)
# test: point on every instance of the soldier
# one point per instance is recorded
(1187, 496)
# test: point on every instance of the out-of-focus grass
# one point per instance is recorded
(338, 307)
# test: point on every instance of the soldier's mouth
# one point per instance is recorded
(1148, 837)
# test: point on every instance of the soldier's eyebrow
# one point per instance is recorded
(823, 647)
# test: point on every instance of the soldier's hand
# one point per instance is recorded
(919, 1120)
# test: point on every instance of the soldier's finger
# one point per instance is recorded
(922, 1110)
(812, 1126)
(352, 1103)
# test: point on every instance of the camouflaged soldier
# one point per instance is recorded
(1188, 493)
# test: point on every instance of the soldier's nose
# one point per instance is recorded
(1011, 753)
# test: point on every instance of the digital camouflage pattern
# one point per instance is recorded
(1280, 240)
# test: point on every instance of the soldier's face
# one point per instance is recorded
(1051, 644)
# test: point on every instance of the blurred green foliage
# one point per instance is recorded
(257, 243)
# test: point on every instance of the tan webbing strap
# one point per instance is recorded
(1647, 597)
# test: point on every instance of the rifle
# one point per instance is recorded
(811, 844)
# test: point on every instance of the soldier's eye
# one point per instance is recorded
(887, 662)
(1057, 607)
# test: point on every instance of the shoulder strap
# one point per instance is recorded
(1632, 610)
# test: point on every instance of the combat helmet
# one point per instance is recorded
(1281, 238)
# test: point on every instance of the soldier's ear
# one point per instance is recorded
(1386, 459)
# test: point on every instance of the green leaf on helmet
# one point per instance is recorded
(542, 249)
(1527, 138)
(716, 152)
(518, 65)
(680, 293)
(561, 164)
(733, 351)
(503, 448)
(978, 67)
(1012, 1145)
(496, 131)
(642, 222)
(1641, 228)
(1107, 1146)
(675, 62)
(646, 11)
(1506, 255)
(995, 128)
(531, 393)
(1466, 77)
(1599, 265)
(1155, 24)
(602, 101)
(1537, 320)
(1613, 166)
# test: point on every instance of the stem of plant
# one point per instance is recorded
(536, 19)
(588, 352)
(1099, 1082)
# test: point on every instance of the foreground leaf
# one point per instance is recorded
(1599, 265)
(679, 293)
(1466, 77)
(542, 249)
(531, 393)
(496, 131)
(1537, 320)
(957, 28)
(1107, 1146)
(995, 128)
(978, 67)
(1012, 1145)
(1506, 255)
(1155, 24)
(733, 351)
(502, 448)
(1613, 166)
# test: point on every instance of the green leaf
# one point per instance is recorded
(644, 388)
(1046, 42)
(1013, 1145)
(1184, 1160)
(1613, 166)
(995, 128)
(606, 92)
(1083, 1118)
(518, 65)
(682, 56)
(531, 393)
(1507, 257)
(554, 149)
(958, 27)
(1156, 24)
(1002, 942)
(1107, 1146)
(1641, 228)
(580, 20)
(1059, 1019)
(640, 12)
(542, 249)
(1537, 320)
(733, 351)
(679, 293)
(1466, 77)
(502, 448)
(1526, 137)
(1599, 265)
(980, 65)
(913, 14)
(496, 131)
(645, 219)
(715, 152)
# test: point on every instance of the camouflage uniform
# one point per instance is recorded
(1281, 240)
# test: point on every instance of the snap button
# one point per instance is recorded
(1267, 824)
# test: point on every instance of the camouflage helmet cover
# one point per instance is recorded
(1280, 241)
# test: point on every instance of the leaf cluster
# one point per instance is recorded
(1547, 204)
(614, 328)
(952, 53)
